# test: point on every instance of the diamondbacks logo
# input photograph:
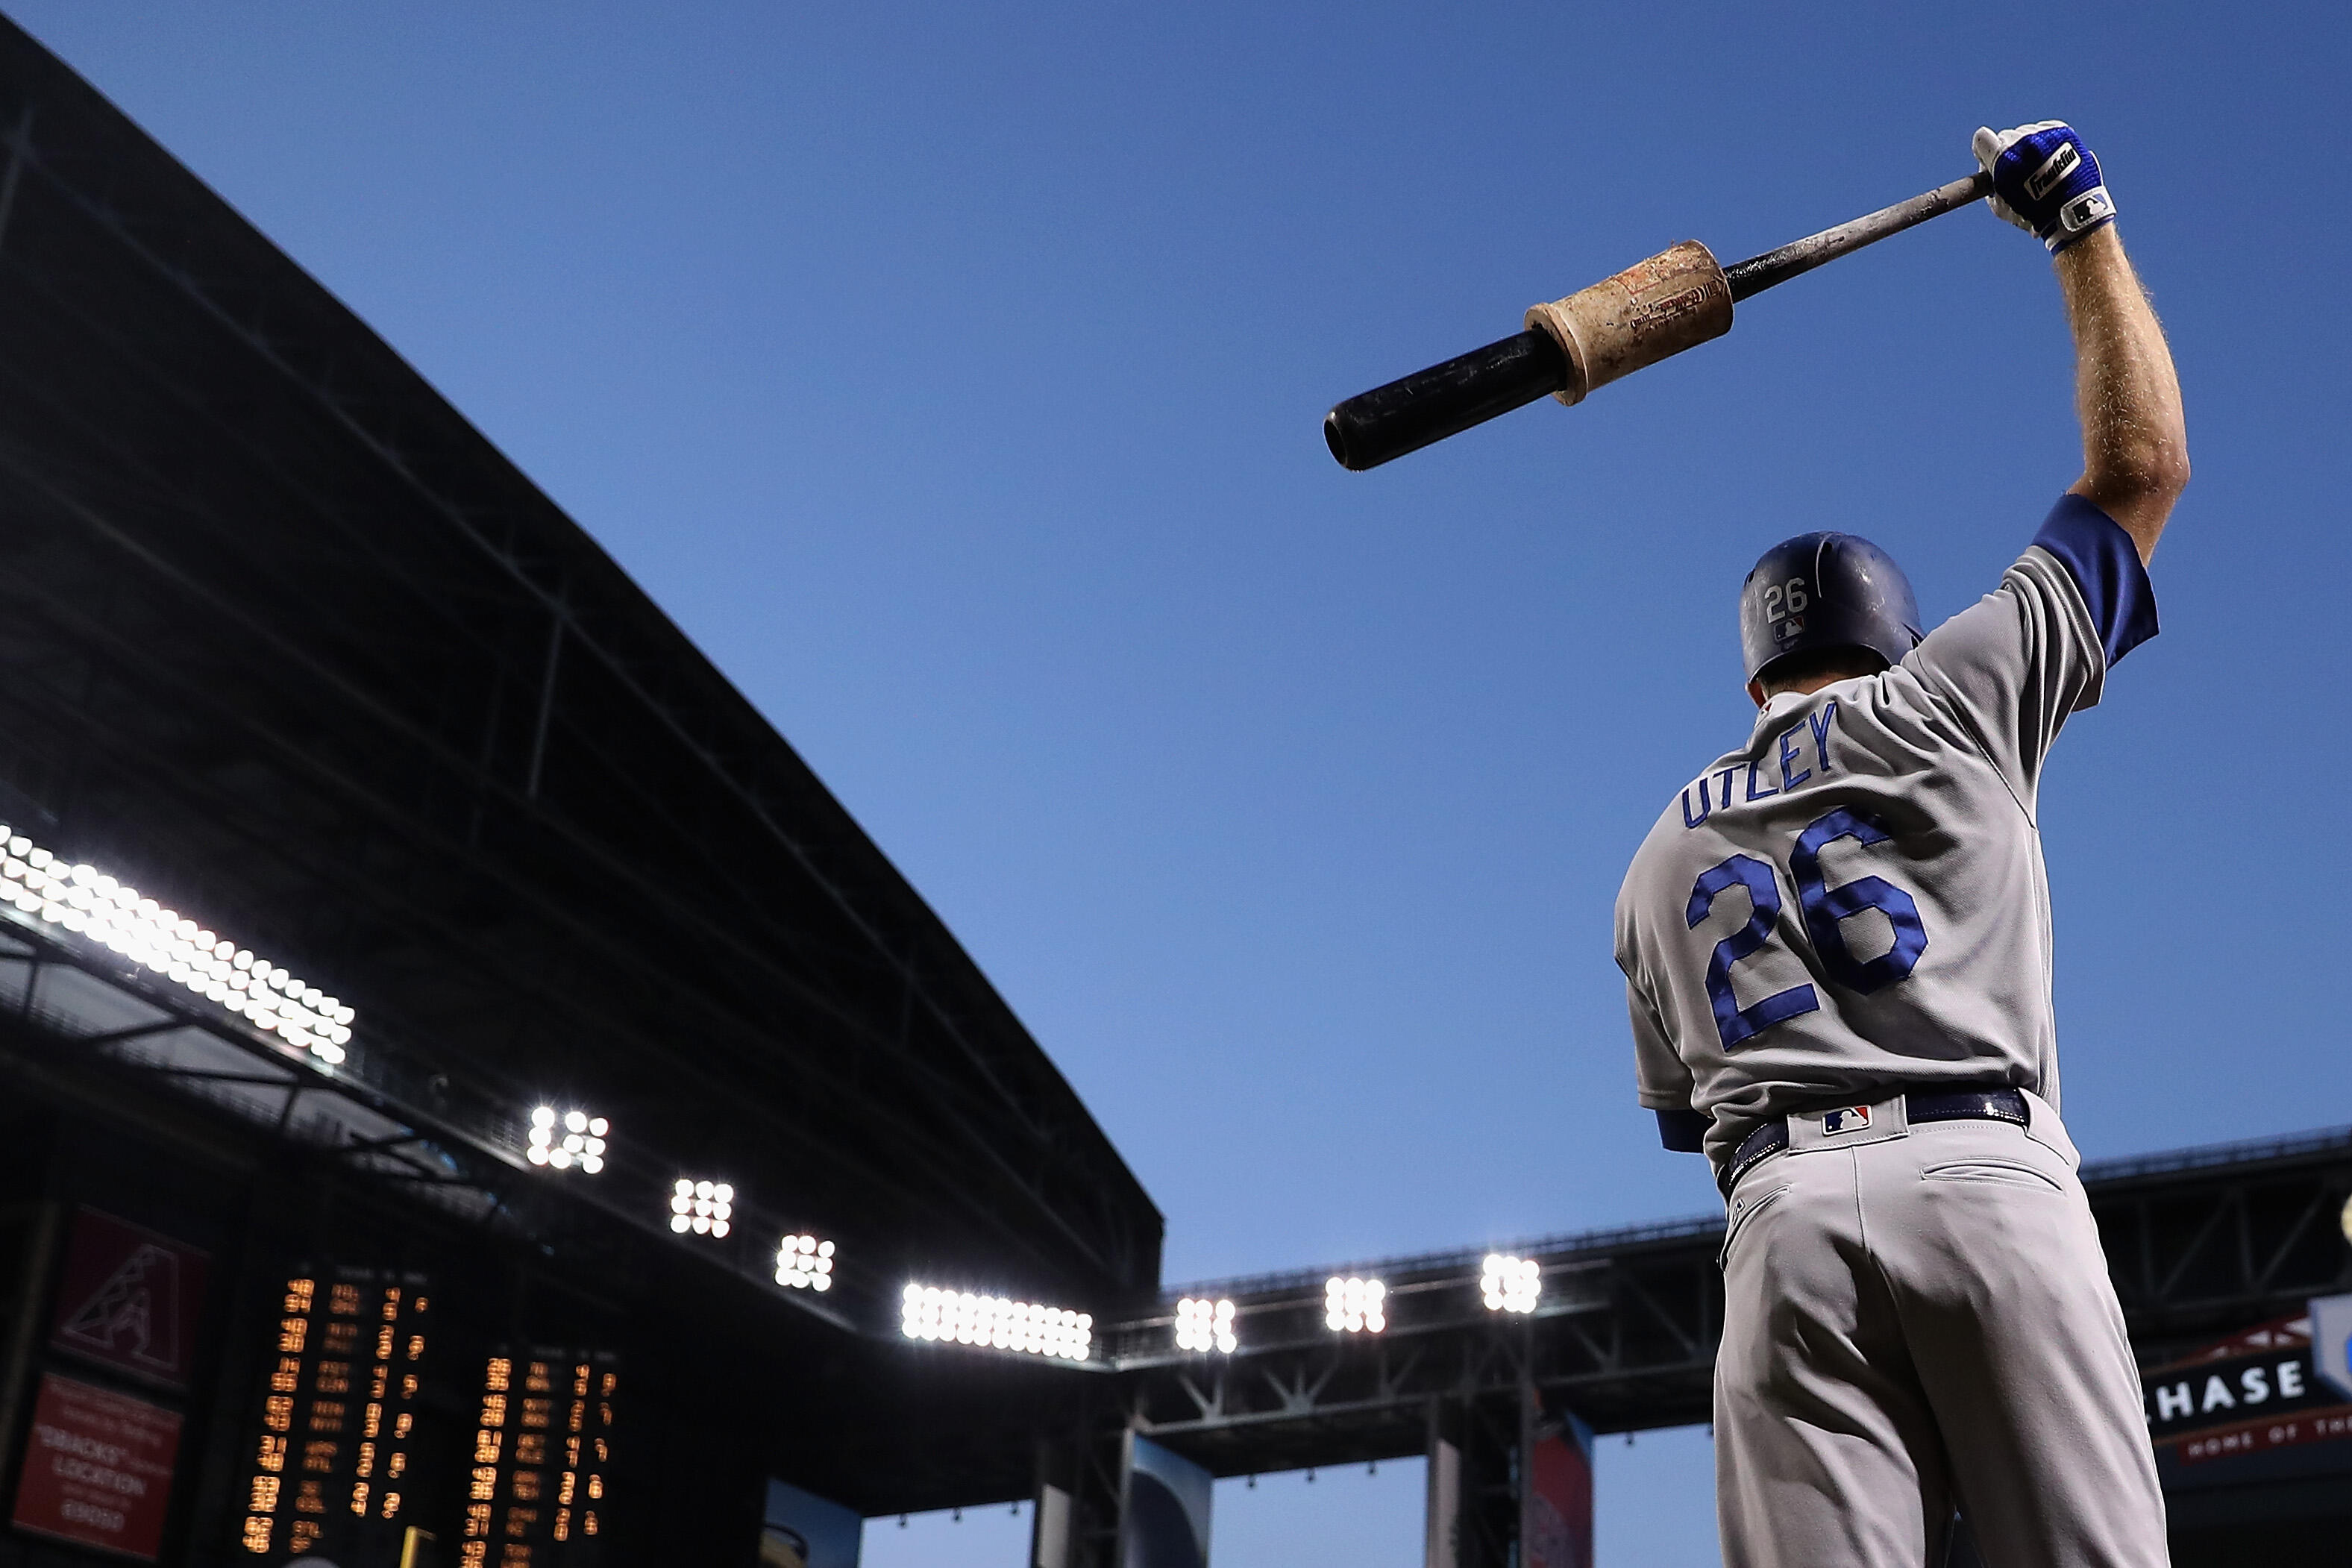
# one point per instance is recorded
(1853, 1118)
(129, 1297)
(135, 1317)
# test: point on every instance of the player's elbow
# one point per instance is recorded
(2150, 474)
(2163, 473)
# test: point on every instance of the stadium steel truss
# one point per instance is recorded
(2201, 1242)
(1623, 1330)
(290, 647)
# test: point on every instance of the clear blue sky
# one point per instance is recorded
(952, 375)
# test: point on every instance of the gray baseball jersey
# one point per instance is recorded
(1854, 902)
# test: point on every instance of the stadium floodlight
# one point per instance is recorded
(706, 1208)
(568, 1139)
(1353, 1306)
(804, 1263)
(1511, 1284)
(1205, 1325)
(930, 1313)
(101, 908)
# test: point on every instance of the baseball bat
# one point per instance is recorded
(1677, 300)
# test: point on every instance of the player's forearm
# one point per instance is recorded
(2134, 440)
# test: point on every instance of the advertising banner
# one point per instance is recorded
(129, 1299)
(2253, 1393)
(98, 1469)
(803, 1529)
(1165, 1523)
(1556, 1513)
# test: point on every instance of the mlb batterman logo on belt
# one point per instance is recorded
(1852, 1119)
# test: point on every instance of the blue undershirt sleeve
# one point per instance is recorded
(2105, 565)
(1684, 1131)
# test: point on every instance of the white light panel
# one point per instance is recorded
(92, 904)
(567, 1140)
(1353, 1306)
(1204, 1325)
(969, 1320)
(804, 1263)
(706, 1208)
(1511, 1284)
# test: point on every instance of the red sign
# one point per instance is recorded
(1556, 1518)
(128, 1300)
(98, 1469)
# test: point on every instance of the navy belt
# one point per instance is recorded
(1959, 1105)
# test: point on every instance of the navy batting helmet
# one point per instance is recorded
(1823, 591)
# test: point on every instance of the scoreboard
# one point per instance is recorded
(360, 1438)
(331, 1451)
(543, 1449)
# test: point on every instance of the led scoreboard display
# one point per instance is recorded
(330, 1459)
(542, 1449)
(336, 1473)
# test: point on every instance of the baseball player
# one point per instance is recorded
(1837, 948)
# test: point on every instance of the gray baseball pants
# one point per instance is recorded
(1920, 1318)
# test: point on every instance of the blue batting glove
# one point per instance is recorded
(2044, 181)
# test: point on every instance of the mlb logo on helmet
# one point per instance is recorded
(1853, 1118)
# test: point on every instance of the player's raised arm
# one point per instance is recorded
(2134, 440)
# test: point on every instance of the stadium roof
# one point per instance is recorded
(293, 647)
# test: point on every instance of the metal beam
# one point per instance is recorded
(2203, 1242)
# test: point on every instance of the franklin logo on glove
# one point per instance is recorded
(2044, 179)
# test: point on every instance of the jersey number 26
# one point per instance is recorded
(1824, 909)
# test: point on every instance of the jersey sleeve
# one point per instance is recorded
(1662, 1080)
(1664, 1083)
(2017, 662)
